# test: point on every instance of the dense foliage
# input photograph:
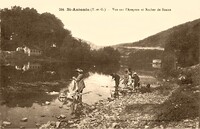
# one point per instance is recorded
(106, 55)
(184, 42)
(26, 27)
(182, 47)
(143, 58)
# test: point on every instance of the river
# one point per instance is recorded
(31, 89)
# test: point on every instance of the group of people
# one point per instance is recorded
(130, 80)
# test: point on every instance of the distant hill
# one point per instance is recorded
(161, 38)
(180, 44)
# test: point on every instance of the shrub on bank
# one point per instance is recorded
(181, 105)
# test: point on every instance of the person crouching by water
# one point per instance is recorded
(79, 83)
(117, 80)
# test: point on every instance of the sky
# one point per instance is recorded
(110, 22)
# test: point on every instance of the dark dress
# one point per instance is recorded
(117, 80)
(136, 80)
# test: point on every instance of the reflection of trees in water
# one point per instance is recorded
(48, 72)
(24, 95)
(106, 68)
(25, 98)
(8, 74)
(52, 72)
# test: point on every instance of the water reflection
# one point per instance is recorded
(105, 68)
(30, 89)
(27, 86)
(156, 65)
(38, 78)
(40, 71)
(28, 66)
(33, 93)
(32, 72)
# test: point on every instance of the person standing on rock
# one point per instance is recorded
(136, 80)
(79, 83)
(130, 73)
(116, 78)
(126, 78)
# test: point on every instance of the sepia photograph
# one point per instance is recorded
(84, 64)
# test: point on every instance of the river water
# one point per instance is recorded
(31, 89)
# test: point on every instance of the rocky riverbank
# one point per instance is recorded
(154, 109)
(164, 105)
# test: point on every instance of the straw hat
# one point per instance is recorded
(79, 70)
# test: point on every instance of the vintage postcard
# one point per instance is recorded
(99, 64)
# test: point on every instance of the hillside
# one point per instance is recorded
(161, 38)
(181, 46)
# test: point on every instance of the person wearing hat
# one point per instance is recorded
(80, 83)
(116, 78)
(136, 80)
